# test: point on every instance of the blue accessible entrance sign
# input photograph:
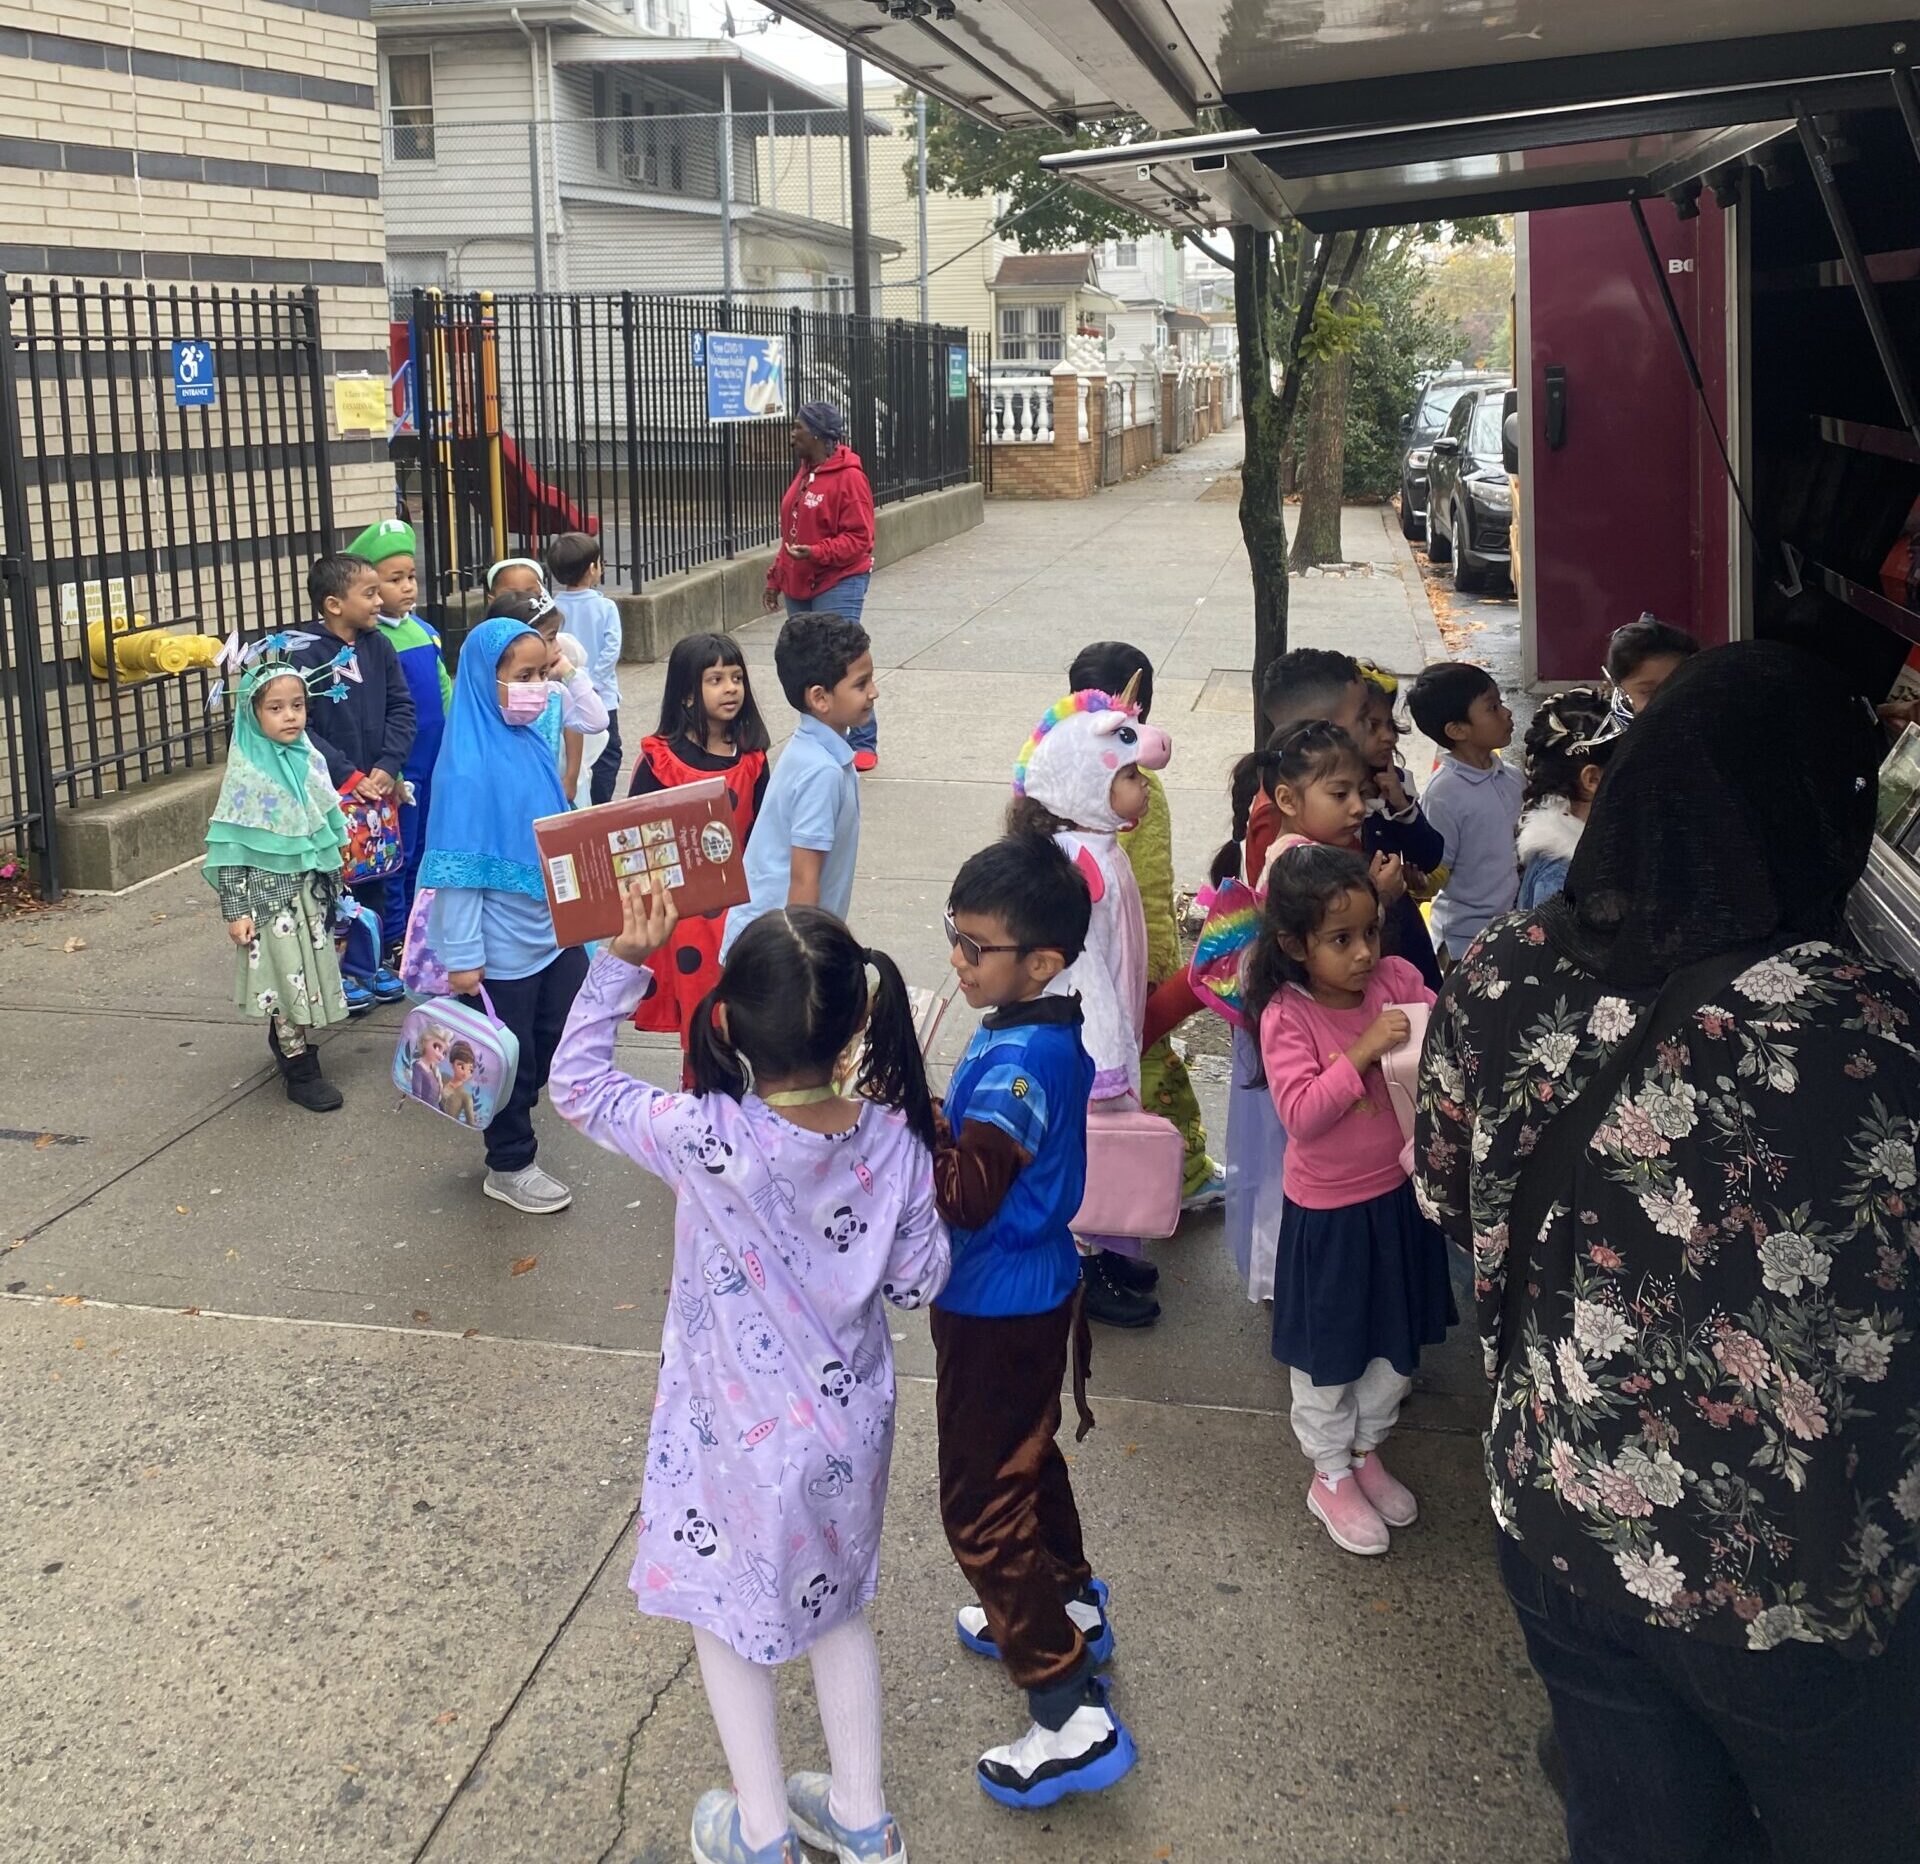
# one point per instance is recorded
(195, 381)
(746, 377)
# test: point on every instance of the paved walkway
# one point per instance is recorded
(321, 1471)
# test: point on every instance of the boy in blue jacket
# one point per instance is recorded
(1009, 1175)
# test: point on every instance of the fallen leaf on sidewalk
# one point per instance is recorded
(74, 944)
(80, 1345)
(471, 1333)
(422, 1317)
(1133, 1449)
(445, 1716)
(623, 1307)
(189, 1310)
(71, 1300)
(179, 1210)
(44, 1141)
(348, 1767)
(524, 1264)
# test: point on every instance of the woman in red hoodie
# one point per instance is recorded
(825, 558)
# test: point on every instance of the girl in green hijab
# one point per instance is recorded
(274, 849)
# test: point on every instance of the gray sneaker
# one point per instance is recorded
(529, 1189)
(808, 1796)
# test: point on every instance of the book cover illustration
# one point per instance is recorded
(686, 835)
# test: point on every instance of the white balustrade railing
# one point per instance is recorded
(1019, 409)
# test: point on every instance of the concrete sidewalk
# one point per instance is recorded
(322, 1471)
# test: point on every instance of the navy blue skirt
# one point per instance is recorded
(1362, 1283)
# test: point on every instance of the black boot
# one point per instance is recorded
(1134, 1273)
(306, 1085)
(1106, 1301)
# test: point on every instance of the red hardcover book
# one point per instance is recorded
(686, 835)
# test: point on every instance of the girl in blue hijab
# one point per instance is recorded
(490, 924)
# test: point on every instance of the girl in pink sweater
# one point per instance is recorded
(1360, 1281)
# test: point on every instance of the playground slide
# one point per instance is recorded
(534, 507)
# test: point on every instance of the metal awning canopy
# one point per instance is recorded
(1374, 111)
(1518, 133)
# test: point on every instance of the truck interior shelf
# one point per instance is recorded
(1893, 443)
(1900, 266)
(1863, 600)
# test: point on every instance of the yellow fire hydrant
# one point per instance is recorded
(144, 656)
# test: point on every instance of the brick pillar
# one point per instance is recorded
(1066, 476)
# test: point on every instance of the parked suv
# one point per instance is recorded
(1469, 497)
(1418, 431)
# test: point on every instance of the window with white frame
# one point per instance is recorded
(1032, 332)
(1126, 252)
(410, 105)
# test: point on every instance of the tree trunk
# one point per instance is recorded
(1263, 520)
(1316, 539)
(1323, 448)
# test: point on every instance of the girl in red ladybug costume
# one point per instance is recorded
(709, 727)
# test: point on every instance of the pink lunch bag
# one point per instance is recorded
(1135, 1165)
(1402, 1069)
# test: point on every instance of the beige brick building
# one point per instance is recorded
(209, 143)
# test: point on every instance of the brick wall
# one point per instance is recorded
(1066, 468)
(184, 142)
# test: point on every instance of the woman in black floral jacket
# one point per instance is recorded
(1705, 1449)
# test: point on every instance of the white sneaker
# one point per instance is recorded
(536, 1192)
(1089, 1617)
(1088, 1755)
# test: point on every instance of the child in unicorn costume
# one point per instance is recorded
(1079, 780)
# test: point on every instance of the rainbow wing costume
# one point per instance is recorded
(1214, 972)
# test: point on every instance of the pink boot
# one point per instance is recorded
(1344, 1511)
(1392, 1500)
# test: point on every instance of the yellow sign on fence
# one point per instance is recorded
(360, 404)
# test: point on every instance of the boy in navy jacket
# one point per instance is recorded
(1009, 1174)
(367, 733)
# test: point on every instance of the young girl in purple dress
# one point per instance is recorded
(799, 1214)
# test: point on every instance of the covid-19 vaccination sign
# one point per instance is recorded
(746, 376)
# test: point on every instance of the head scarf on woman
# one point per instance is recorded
(824, 422)
(277, 812)
(493, 779)
(1740, 806)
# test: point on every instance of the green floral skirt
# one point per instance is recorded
(291, 968)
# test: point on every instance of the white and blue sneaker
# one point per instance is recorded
(808, 1797)
(1089, 1612)
(717, 1840)
(1210, 1194)
(1088, 1754)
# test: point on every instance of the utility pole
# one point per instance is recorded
(725, 170)
(857, 186)
(920, 133)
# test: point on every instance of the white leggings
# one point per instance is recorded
(846, 1683)
(1333, 1422)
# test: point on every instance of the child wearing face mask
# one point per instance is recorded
(490, 924)
(570, 709)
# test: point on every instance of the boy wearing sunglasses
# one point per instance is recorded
(1009, 1174)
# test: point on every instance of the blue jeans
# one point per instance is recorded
(1671, 1744)
(847, 597)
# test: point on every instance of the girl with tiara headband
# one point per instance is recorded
(274, 849)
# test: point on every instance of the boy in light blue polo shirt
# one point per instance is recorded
(1473, 800)
(807, 835)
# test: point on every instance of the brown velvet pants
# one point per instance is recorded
(1005, 1498)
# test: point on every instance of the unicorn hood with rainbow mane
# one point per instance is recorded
(1069, 763)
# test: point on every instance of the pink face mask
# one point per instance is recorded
(525, 702)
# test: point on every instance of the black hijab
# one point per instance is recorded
(1738, 807)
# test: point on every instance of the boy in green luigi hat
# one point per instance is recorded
(389, 547)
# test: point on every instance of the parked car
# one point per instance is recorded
(1469, 496)
(1418, 431)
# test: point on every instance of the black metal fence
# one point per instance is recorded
(163, 483)
(537, 414)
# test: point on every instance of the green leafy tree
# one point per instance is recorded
(1404, 337)
(1043, 213)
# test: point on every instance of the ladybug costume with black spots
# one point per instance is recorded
(690, 966)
